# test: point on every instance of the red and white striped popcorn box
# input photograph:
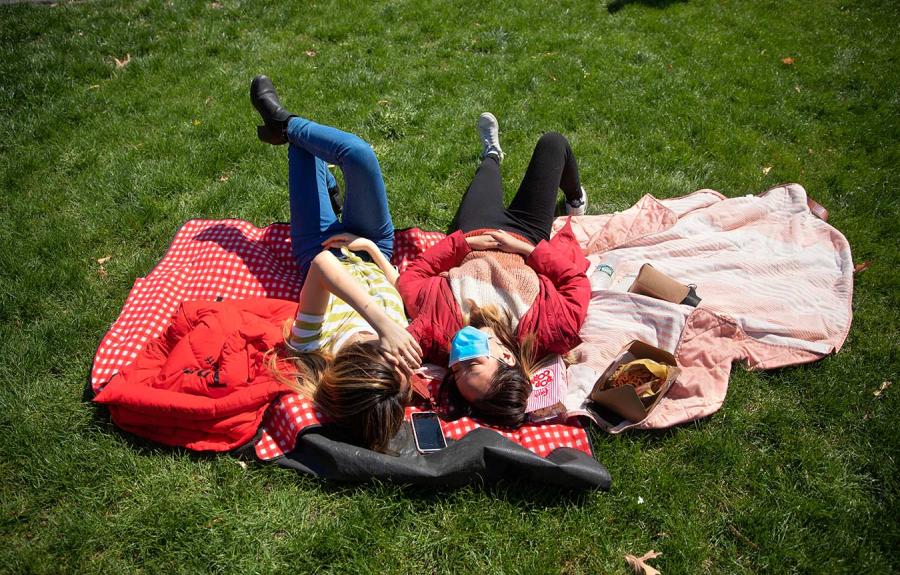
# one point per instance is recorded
(548, 387)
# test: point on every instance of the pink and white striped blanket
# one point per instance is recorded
(776, 284)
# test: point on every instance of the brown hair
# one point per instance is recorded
(507, 397)
(356, 387)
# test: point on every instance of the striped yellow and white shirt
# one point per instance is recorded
(331, 330)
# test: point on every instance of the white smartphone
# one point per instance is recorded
(427, 432)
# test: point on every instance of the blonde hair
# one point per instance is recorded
(357, 387)
(507, 398)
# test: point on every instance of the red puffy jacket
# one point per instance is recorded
(203, 384)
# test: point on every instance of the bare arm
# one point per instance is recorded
(356, 243)
(390, 272)
(327, 275)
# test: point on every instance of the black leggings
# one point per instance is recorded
(553, 167)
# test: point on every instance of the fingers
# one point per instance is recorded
(334, 243)
(498, 237)
(391, 358)
(411, 360)
(408, 355)
(404, 370)
(404, 365)
(336, 237)
(483, 242)
(412, 348)
(339, 240)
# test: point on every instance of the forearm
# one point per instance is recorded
(384, 264)
(525, 250)
(327, 275)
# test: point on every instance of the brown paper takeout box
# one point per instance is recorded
(624, 400)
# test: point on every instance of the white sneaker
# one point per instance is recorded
(489, 132)
(578, 206)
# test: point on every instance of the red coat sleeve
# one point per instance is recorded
(427, 297)
(419, 284)
(565, 291)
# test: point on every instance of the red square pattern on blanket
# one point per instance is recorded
(292, 414)
(232, 259)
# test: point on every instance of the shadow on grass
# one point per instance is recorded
(616, 5)
(524, 494)
(256, 256)
(521, 493)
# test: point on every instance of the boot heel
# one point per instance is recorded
(270, 136)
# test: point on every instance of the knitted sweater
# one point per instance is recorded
(497, 278)
(554, 315)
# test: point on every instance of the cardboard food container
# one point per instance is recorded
(624, 400)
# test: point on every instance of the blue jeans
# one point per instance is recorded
(311, 147)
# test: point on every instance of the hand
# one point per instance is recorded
(400, 348)
(508, 243)
(482, 242)
(352, 242)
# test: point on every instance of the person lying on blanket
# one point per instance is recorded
(348, 347)
(500, 275)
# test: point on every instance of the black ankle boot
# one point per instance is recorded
(337, 203)
(275, 117)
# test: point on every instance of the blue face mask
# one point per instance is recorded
(469, 343)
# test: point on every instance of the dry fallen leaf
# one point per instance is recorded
(639, 564)
(861, 267)
(224, 177)
(311, 53)
(215, 5)
(787, 61)
(880, 390)
(742, 537)
(103, 260)
(797, 88)
(102, 272)
(766, 170)
(123, 62)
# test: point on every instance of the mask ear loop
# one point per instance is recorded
(503, 361)
(500, 359)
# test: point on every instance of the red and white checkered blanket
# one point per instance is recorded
(232, 259)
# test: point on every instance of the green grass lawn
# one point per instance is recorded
(796, 474)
